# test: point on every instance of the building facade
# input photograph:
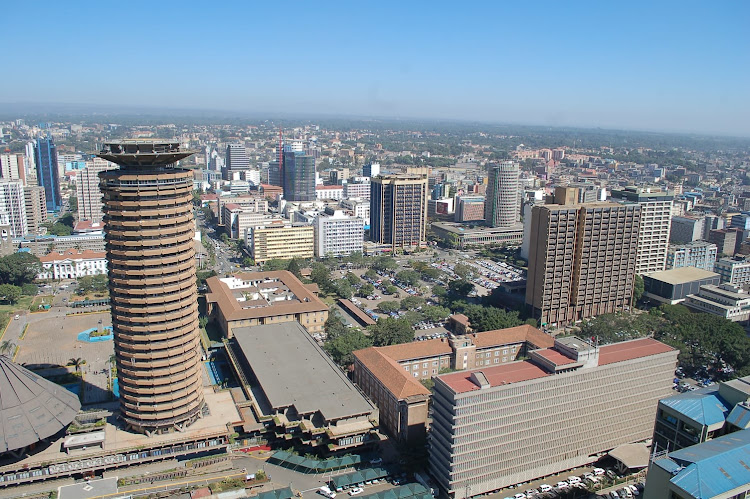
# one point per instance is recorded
(398, 210)
(582, 260)
(727, 241)
(686, 229)
(656, 224)
(149, 230)
(734, 271)
(72, 264)
(698, 254)
(13, 208)
(88, 191)
(299, 176)
(281, 242)
(725, 300)
(236, 161)
(47, 173)
(502, 203)
(12, 167)
(469, 209)
(360, 190)
(506, 424)
(338, 235)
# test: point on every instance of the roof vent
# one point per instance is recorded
(479, 379)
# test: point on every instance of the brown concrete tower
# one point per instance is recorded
(149, 235)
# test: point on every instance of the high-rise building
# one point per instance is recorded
(12, 167)
(728, 241)
(236, 161)
(13, 208)
(502, 204)
(656, 222)
(488, 430)
(398, 210)
(371, 170)
(469, 208)
(686, 229)
(581, 260)
(338, 235)
(149, 230)
(47, 176)
(699, 254)
(298, 176)
(88, 191)
(36, 208)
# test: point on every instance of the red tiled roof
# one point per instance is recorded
(393, 376)
(88, 225)
(555, 357)
(512, 335)
(355, 310)
(515, 372)
(460, 318)
(73, 254)
(627, 350)
(328, 187)
(417, 350)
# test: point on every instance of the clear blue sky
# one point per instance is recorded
(664, 65)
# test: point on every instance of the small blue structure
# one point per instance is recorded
(86, 335)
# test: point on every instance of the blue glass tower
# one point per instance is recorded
(47, 173)
(298, 176)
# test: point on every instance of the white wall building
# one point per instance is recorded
(88, 192)
(357, 207)
(334, 192)
(724, 300)
(13, 208)
(73, 264)
(357, 190)
(338, 234)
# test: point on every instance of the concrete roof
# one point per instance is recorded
(681, 275)
(292, 370)
(31, 407)
(633, 456)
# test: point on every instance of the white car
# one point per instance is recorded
(562, 485)
(572, 480)
(356, 491)
(598, 471)
(519, 496)
(545, 488)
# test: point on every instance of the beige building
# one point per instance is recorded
(255, 298)
(391, 376)
(281, 241)
(36, 208)
(562, 408)
(398, 209)
(88, 191)
(582, 260)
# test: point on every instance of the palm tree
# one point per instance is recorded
(77, 363)
(6, 347)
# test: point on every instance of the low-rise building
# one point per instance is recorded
(326, 411)
(335, 192)
(562, 408)
(673, 286)
(42, 245)
(281, 241)
(391, 376)
(466, 236)
(699, 254)
(257, 298)
(725, 300)
(733, 270)
(72, 264)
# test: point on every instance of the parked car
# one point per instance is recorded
(598, 471)
(356, 491)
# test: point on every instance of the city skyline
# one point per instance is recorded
(637, 67)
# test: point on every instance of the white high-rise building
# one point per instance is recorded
(357, 190)
(371, 170)
(12, 167)
(30, 164)
(88, 192)
(656, 224)
(13, 207)
(338, 234)
(502, 204)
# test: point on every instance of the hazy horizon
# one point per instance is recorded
(671, 68)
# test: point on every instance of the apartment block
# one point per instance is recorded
(727, 241)
(391, 376)
(699, 254)
(398, 210)
(334, 192)
(582, 260)
(358, 208)
(281, 241)
(12, 167)
(733, 270)
(357, 190)
(686, 229)
(88, 191)
(560, 409)
(256, 298)
(338, 235)
(656, 223)
(13, 208)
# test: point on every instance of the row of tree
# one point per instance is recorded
(17, 273)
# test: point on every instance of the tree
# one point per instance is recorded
(67, 220)
(439, 291)
(352, 278)
(390, 331)
(638, 289)
(73, 204)
(384, 264)
(320, 275)
(390, 290)
(366, 290)
(388, 307)
(344, 289)
(58, 229)
(485, 318)
(460, 287)
(341, 347)
(408, 277)
(334, 326)
(201, 277)
(435, 313)
(293, 267)
(29, 289)
(413, 317)
(76, 362)
(356, 259)
(224, 237)
(412, 302)
(9, 293)
(371, 274)
(92, 284)
(430, 274)
(276, 264)
(6, 347)
(463, 271)
(248, 262)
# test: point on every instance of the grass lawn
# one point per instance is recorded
(41, 300)
(22, 304)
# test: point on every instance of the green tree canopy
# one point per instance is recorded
(334, 326)
(352, 278)
(19, 268)
(388, 307)
(92, 284)
(412, 302)
(366, 289)
(68, 220)
(638, 289)
(460, 287)
(408, 277)
(341, 347)
(9, 293)
(435, 313)
(294, 268)
(384, 263)
(485, 318)
(389, 331)
(371, 274)
(276, 264)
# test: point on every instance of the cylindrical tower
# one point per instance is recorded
(151, 257)
(502, 205)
